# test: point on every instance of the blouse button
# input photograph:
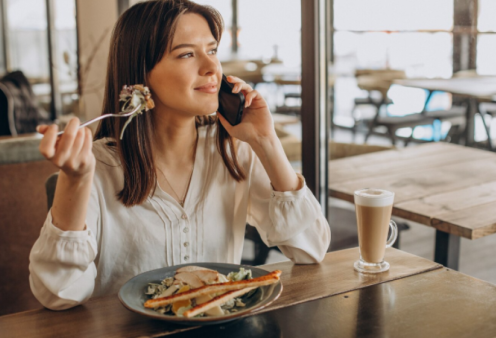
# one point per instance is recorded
(186, 230)
(186, 244)
(186, 258)
(184, 216)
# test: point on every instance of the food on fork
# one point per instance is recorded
(196, 291)
(135, 96)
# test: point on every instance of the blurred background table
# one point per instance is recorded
(449, 187)
(476, 89)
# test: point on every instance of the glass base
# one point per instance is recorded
(364, 267)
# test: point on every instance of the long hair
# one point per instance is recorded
(141, 37)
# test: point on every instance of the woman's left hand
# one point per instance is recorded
(256, 123)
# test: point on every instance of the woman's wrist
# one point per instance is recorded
(78, 179)
(266, 145)
(271, 153)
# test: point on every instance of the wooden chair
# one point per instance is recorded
(23, 211)
(484, 109)
(7, 122)
(374, 80)
(380, 81)
(487, 109)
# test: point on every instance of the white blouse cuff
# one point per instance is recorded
(291, 213)
(53, 230)
(290, 195)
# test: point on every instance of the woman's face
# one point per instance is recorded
(187, 79)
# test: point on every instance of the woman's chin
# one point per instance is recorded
(208, 109)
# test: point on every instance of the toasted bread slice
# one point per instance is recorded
(214, 311)
(217, 301)
(177, 305)
(268, 279)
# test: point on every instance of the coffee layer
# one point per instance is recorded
(373, 226)
(374, 197)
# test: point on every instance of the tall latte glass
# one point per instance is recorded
(373, 210)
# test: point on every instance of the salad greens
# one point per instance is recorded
(170, 286)
(240, 275)
(133, 97)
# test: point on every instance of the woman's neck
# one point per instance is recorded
(174, 138)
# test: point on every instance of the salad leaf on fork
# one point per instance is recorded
(133, 97)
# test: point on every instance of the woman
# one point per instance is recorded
(181, 184)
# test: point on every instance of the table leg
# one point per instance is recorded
(396, 244)
(447, 249)
(470, 122)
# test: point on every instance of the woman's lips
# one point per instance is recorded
(210, 88)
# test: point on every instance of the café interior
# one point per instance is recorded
(392, 94)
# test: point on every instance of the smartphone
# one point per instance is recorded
(230, 104)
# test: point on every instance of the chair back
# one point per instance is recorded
(50, 185)
(23, 212)
(467, 73)
(7, 123)
(24, 112)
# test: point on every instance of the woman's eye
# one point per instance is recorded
(189, 55)
(186, 56)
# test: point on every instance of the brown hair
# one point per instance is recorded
(138, 43)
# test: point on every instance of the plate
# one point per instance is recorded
(132, 294)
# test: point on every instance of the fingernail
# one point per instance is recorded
(38, 129)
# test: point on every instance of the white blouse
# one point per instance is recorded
(68, 267)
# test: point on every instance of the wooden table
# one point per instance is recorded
(476, 89)
(449, 187)
(417, 297)
(441, 303)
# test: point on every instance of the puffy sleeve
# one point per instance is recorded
(291, 220)
(62, 263)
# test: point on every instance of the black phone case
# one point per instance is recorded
(230, 104)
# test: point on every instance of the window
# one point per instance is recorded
(486, 39)
(269, 29)
(412, 35)
(28, 48)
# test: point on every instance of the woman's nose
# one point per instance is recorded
(210, 65)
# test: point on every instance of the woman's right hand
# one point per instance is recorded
(70, 152)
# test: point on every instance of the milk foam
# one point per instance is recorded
(374, 197)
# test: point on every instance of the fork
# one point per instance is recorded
(101, 117)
